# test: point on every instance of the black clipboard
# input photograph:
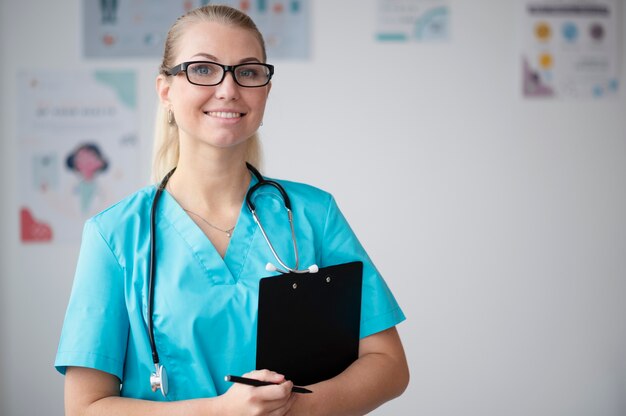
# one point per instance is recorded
(309, 324)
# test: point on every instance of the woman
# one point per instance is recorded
(213, 87)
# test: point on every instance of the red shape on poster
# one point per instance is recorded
(32, 230)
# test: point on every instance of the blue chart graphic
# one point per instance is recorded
(434, 24)
(570, 32)
(413, 20)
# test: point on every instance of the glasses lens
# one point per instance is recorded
(252, 75)
(205, 73)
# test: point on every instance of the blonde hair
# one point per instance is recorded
(166, 144)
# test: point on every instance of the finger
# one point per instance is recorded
(279, 392)
(283, 409)
(266, 375)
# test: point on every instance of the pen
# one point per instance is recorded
(258, 383)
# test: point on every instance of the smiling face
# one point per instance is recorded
(221, 116)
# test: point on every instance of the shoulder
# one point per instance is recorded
(310, 204)
(133, 209)
(300, 192)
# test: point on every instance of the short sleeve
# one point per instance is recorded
(95, 329)
(379, 308)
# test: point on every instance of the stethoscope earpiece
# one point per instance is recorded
(311, 269)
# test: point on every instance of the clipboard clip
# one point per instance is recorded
(327, 280)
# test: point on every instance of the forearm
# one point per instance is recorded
(373, 379)
(90, 392)
(114, 406)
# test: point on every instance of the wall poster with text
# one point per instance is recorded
(137, 28)
(78, 149)
(285, 25)
(571, 49)
(413, 20)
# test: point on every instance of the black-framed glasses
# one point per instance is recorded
(209, 73)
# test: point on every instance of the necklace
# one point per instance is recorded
(228, 232)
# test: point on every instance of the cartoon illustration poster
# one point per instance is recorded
(137, 28)
(571, 48)
(77, 147)
(413, 20)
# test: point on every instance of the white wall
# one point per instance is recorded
(499, 223)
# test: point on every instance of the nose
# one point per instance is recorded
(228, 89)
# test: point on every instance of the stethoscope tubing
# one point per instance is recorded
(293, 239)
(261, 181)
(158, 379)
(161, 187)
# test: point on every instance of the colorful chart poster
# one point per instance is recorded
(137, 28)
(129, 28)
(571, 49)
(413, 20)
(77, 149)
(285, 25)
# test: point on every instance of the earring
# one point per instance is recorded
(170, 117)
(261, 125)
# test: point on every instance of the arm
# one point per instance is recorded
(90, 392)
(378, 375)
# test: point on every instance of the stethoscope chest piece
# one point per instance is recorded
(158, 379)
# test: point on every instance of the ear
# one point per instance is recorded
(163, 90)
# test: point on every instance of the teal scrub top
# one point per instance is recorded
(205, 306)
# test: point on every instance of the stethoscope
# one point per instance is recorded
(158, 379)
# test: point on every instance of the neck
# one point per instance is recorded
(210, 184)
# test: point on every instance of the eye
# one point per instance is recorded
(202, 70)
(249, 72)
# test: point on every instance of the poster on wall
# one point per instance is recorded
(78, 149)
(137, 28)
(571, 49)
(285, 25)
(413, 20)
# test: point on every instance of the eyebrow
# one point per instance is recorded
(213, 58)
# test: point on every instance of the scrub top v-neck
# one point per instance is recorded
(205, 306)
(225, 269)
